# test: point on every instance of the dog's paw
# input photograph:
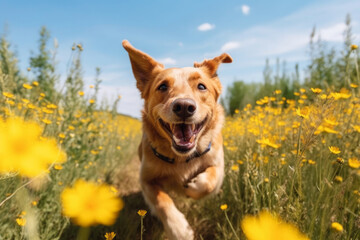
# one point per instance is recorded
(199, 186)
(177, 228)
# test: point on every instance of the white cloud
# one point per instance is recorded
(333, 33)
(167, 61)
(245, 9)
(230, 45)
(206, 27)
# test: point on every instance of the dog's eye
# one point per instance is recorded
(163, 87)
(201, 86)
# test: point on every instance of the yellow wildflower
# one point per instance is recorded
(353, 85)
(267, 227)
(34, 203)
(22, 149)
(91, 86)
(354, 47)
(266, 180)
(338, 179)
(81, 93)
(110, 236)
(303, 112)
(27, 86)
(46, 121)
(334, 150)
(311, 162)
(35, 83)
(337, 227)
(316, 90)
(142, 213)
(21, 221)
(61, 135)
(8, 95)
(235, 167)
(89, 204)
(223, 207)
(28, 69)
(91, 101)
(58, 167)
(354, 163)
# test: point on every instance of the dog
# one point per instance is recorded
(182, 147)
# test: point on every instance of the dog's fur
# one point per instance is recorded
(172, 134)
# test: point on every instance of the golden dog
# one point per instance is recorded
(182, 146)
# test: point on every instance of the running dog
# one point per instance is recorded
(182, 146)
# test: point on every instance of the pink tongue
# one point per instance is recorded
(183, 132)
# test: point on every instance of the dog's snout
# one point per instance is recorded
(184, 107)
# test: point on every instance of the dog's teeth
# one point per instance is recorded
(192, 139)
(177, 140)
(193, 126)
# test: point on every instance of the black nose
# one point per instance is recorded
(184, 107)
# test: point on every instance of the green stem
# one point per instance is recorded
(142, 227)
(232, 228)
(83, 233)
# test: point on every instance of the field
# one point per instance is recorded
(296, 158)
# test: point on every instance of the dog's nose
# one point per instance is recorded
(184, 107)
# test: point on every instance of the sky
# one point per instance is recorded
(175, 33)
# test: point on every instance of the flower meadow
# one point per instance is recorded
(69, 166)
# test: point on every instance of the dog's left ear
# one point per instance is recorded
(212, 65)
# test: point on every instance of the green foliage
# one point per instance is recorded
(43, 66)
(327, 68)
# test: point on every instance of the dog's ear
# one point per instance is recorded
(212, 65)
(144, 67)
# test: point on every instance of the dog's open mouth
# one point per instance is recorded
(183, 135)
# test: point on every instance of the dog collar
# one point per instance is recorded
(172, 160)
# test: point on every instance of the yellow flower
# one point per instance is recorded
(354, 47)
(142, 212)
(353, 85)
(58, 167)
(268, 142)
(334, 150)
(27, 86)
(23, 150)
(34, 203)
(316, 90)
(240, 162)
(46, 121)
(311, 162)
(42, 95)
(8, 95)
(235, 167)
(61, 135)
(223, 207)
(21, 221)
(338, 179)
(266, 180)
(267, 227)
(110, 236)
(303, 112)
(337, 227)
(91, 101)
(91, 86)
(28, 69)
(89, 204)
(35, 83)
(81, 93)
(354, 163)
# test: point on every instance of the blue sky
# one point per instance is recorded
(176, 33)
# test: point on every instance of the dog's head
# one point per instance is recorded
(179, 102)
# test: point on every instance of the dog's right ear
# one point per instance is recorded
(144, 67)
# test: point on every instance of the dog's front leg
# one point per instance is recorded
(205, 183)
(175, 224)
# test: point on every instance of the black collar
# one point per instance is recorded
(172, 160)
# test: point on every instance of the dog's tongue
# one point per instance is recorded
(183, 132)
